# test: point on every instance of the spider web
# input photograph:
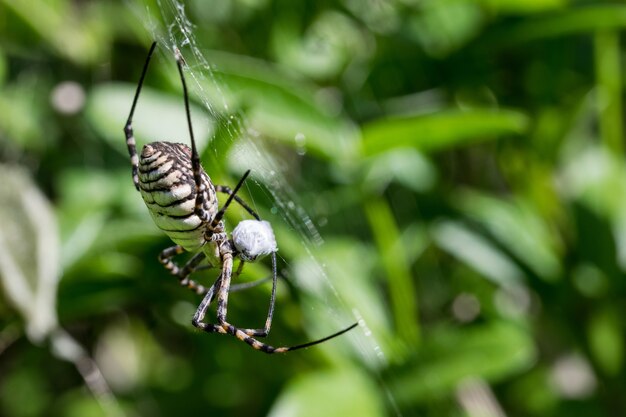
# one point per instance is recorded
(174, 31)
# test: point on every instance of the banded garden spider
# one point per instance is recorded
(183, 203)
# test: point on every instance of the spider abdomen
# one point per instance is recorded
(167, 187)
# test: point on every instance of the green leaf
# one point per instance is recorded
(587, 174)
(3, 68)
(477, 252)
(563, 23)
(444, 130)
(329, 44)
(158, 116)
(337, 392)
(30, 265)
(517, 225)
(606, 340)
(402, 290)
(444, 26)
(523, 6)
(402, 165)
(609, 84)
(279, 105)
(70, 31)
(490, 351)
(25, 392)
(346, 269)
(24, 115)
(87, 199)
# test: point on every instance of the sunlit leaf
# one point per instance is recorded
(87, 201)
(328, 46)
(23, 114)
(29, 251)
(441, 131)
(477, 252)
(25, 392)
(3, 68)
(443, 26)
(523, 6)
(563, 23)
(403, 165)
(75, 35)
(280, 106)
(586, 176)
(606, 341)
(517, 226)
(348, 271)
(490, 351)
(338, 392)
(79, 404)
(401, 286)
(158, 116)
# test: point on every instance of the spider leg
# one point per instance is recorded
(247, 285)
(237, 287)
(270, 314)
(203, 307)
(182, 273)
(224, 327)
(208, 298)
(242, 286)
(227, 190)
(128, 128)
(226, 288)
(223, 287)
(233, 195)
(201, 187)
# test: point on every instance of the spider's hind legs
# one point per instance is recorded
(182, 273)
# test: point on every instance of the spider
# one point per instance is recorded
(183, 203)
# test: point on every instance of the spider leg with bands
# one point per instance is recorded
(226, 254)
(226, 190)
(245, 335)
(223, 285)
(182, 273)
(128, 128)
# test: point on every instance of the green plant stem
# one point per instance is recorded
(401, 289)
(609, 87)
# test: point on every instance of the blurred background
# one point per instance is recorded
(448, 172)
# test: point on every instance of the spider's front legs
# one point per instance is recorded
(227, 190)
(132, 151)
(128, 127)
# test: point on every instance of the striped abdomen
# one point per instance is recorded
(168, 189)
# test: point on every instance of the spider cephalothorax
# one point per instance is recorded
(183, 203)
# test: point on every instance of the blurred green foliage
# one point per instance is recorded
(461, 159)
